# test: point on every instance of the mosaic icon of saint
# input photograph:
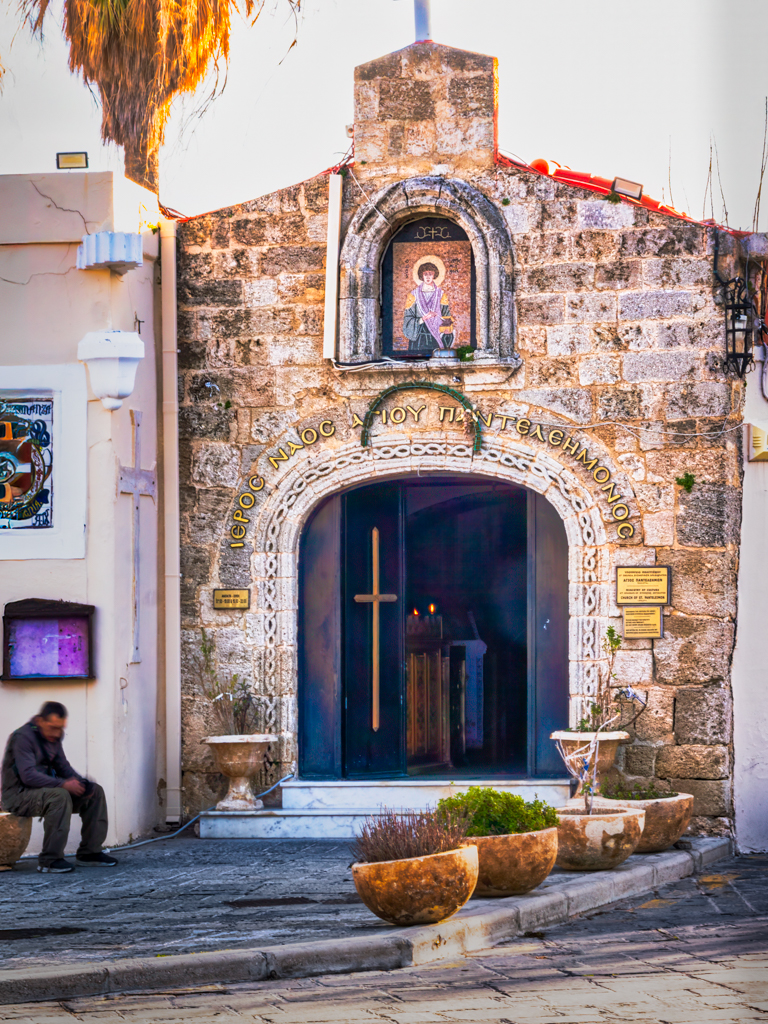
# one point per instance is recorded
(427, 322)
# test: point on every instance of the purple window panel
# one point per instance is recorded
(48, 647)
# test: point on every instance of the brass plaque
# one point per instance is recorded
(640, 584)
(643, 623)
(228, 599)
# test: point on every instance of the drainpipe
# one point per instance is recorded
(171, 541)
(335, 185)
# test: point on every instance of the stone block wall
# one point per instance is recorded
(621, 339)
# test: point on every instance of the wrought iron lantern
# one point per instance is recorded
(739, 326)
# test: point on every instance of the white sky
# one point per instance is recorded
(600, 85)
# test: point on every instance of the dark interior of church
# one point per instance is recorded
(466, 626)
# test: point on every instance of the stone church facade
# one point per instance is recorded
(597, 382)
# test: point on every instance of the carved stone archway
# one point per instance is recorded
(366, 240)
(284, 511)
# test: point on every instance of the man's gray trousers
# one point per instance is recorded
(55, 805)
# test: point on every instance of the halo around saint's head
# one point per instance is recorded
(429, 259)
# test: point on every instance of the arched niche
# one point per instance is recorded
(365, 243)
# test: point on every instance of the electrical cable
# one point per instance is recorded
(368, 198)
(157, 839)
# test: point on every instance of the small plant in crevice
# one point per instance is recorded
(612, 197)
(505, 201)
(686, 481)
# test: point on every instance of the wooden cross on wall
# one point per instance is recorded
(375, 599)
(136, 481)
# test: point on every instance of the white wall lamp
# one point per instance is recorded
(112, 358)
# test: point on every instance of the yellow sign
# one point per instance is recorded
(640, 584)
(643, 623)
(227, 599)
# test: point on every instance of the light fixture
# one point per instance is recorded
(739, 326)
(112, 358)
(72, 161)
(630, 189)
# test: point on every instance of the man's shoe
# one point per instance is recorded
(59, 867)
(102, 860)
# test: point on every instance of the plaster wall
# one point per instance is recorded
(48, 305)
(750, 709)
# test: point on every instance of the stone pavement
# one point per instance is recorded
(185, 895)
(695, 951)
(181, 895)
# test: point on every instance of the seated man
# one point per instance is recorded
(38, 781)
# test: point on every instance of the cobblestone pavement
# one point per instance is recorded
(692, 952)
(182, 895)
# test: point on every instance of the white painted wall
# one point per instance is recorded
(750, 674)
(48, 305)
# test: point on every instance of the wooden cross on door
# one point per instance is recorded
(136, 481)
(375, 599)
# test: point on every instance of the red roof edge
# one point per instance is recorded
(604, 186)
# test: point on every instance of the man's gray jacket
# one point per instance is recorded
(32, 762)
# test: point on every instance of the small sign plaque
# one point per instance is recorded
(643, 623)
(640, 584)
(229, 599)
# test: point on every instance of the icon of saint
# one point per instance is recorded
(427, 322)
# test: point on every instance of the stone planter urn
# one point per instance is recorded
(599, 841)
(418, 890)
(239, 758)
(607, 748)
(516, 863)
(666, 818)
(14, 838)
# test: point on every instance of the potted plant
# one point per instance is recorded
(414, 867)
(599, 840)
(239, 750)
(516, 840)
(596, 838)
(667, 815)
(589, 751)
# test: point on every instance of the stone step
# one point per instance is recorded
(336, 810)
(412, 793)
(284, 823)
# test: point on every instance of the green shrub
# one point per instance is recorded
(492, 812)
(621, 791)
(394, 835)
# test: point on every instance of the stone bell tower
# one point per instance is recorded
(426, 110)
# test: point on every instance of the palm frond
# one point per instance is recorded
(141, 54)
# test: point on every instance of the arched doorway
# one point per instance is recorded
(433, 631)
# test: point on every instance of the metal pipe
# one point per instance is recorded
(171, 534)
(423, 15)
(330, 317)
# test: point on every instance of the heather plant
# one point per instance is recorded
(396, 835)
(491, 812)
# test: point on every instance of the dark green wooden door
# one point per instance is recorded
(374, 715)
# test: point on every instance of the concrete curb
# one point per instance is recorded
(481, 923)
